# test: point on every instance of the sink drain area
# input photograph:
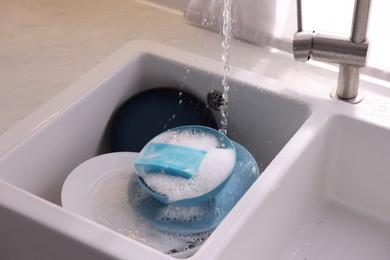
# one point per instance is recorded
(215, 99)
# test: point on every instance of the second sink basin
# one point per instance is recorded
(332, 201)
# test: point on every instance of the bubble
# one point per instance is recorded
(182, 214)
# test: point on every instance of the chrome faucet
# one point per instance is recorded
(349, 52)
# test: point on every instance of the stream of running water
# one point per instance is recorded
(227, 36)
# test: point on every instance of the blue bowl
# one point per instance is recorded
(175, 169)
(213, 211)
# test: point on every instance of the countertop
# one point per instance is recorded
(46, 45)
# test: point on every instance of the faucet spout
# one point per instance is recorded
(349, 52)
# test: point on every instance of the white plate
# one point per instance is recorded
(80, 183)
(98, 189)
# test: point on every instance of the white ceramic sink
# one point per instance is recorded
(323, 163)
(331, 203)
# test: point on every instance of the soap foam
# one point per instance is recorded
(183, 214)
(216, 166)
(196, 140)
(109, 202)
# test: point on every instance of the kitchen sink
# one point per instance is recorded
(322, 191)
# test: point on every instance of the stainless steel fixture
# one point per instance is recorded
(349, 52)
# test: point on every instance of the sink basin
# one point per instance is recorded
(331, 202)
(75, 131)
(38, 154)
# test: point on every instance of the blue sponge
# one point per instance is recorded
(170, 159)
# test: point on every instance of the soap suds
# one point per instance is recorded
(215, 168)
(109, 202)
